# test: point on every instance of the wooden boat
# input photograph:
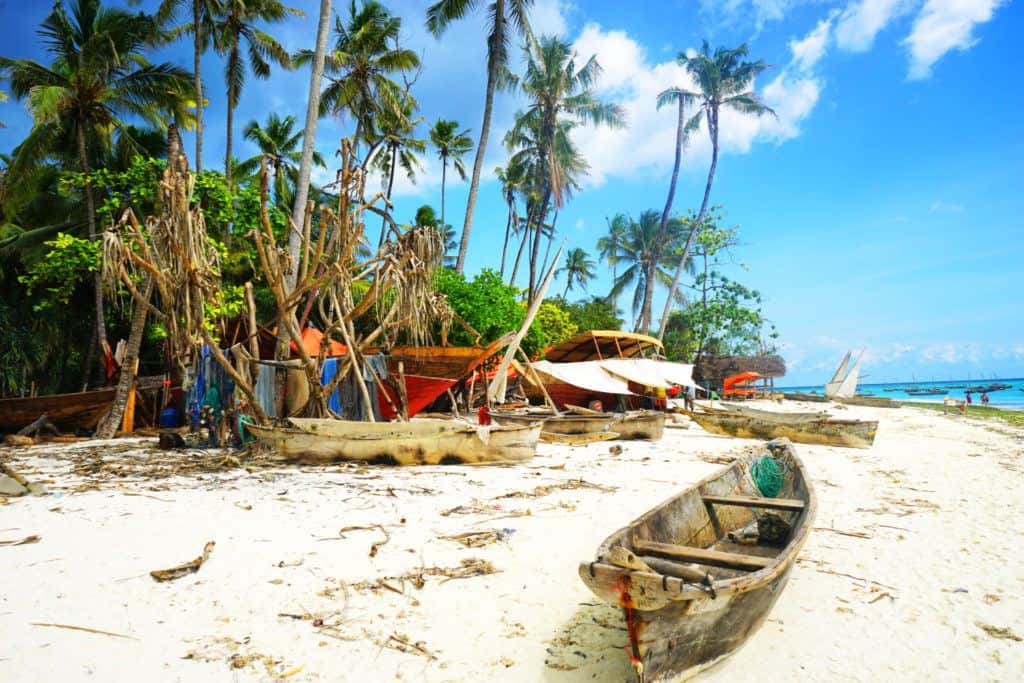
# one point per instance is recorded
(68, 412)
(868, 401)
(774, 416)
(689, 594)
(418, 442)
(850, 433)
(577, 439)
(804, 396)
(450, 362)
(640, 424)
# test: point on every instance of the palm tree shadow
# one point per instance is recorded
(590, 646)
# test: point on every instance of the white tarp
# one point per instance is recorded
(587, 375)
(649, 372)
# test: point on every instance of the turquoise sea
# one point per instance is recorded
(1012, 398)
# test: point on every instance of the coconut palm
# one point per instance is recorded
(360, 67)
(235, 25)
(98, 76)
(578, 269)
(279, 141)
(511, 183)
(561, 98)
(395, 134)
(608, 246)
(724, 79)
(450, 145)
(680, 97)
(201, 29)
(506, 20)
(647, 256)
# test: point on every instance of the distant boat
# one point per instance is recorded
(988, 388)
(927, 392)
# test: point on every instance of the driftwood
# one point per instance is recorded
(39, 424)
(184, 569)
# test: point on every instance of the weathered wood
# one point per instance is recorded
(577, 439)
(39, 424)
(790, 504)
(715, 558)
(67, 411)
(849, 433)
(403, 396)
(677, 627)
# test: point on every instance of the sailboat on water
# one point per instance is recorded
(843, 386)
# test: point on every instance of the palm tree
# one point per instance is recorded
(506, 20)
(395, 134)
(453, 145)
(561, 98)
(234, 25)
(724, 79)
(98, 76)
(578, 269)
(680, 97)
(511, 184)
(647, 256)
(279, 141)
(200, 28)
(365, 55)
(608, 246)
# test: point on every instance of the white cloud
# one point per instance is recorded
(940, 206)
(741, 11)
(548, 17)
(941, 26)
(809, 50)
(951, 352)
(862, 20)
(632, 81)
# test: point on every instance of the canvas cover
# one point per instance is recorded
(589, 375)
(649, 372)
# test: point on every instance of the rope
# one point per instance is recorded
(768, 475)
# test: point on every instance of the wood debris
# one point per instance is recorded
(469, 567)
(402, 643)
(85, 629)
(184, 569)
(551, 488)
(478, 539)
(999, 632)
(23, 541)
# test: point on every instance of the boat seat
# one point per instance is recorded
(714, 558)
(790, 504)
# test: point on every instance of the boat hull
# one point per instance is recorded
(677, 628)
(848, 433)
(868, 401)
(419, 442)
(801, 396)
(645, 424)
(80, 410)
(771, 416)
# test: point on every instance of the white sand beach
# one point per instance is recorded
(913, 571)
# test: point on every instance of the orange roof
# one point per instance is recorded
(730, 382)
(311, 340)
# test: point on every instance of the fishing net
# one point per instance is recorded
(768, 474)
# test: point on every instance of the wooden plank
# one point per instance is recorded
(790, 504)
(714, 558)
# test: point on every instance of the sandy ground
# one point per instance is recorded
(914, 570)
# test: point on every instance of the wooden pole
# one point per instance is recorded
(128, 421)
(537, 379)
(403, 393)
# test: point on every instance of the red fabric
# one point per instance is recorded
(311, 339)
(483, 416)
(729, 382)
(421, 391)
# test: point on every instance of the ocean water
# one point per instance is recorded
(1012, 398)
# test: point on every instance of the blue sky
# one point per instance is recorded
(881, 210)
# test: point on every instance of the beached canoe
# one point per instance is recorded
(690, 594)
(804, 396)
(869, 401)
(418, 442)
(850, 433)
(774, 416)
(81, 410)
(639, 424)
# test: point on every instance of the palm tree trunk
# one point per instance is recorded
(519, 255)
(645, 310)
(535, 252)
(504, 248)
(485, 129)
(680, 126)
(197, 55)
(90, 210)
(129, 366)
(323, 29)
(444, 173)
(713, 132)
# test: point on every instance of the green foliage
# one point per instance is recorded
(56, 275)
(552, 325)
(595, 313)
(117, 190)
(427, 216)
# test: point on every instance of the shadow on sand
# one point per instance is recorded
(591, 646)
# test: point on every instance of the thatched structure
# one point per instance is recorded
(712, 370)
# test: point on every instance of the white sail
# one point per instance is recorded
(849, 386)
(832, 386)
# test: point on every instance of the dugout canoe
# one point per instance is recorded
(869, 401)
(690, 595)
(639, 424)
(775, 416)
(803, 396)
(68, 412)
(418, 442)
(849, 433)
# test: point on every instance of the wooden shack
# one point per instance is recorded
(710, 371)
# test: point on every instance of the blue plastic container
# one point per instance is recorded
(169, 418)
